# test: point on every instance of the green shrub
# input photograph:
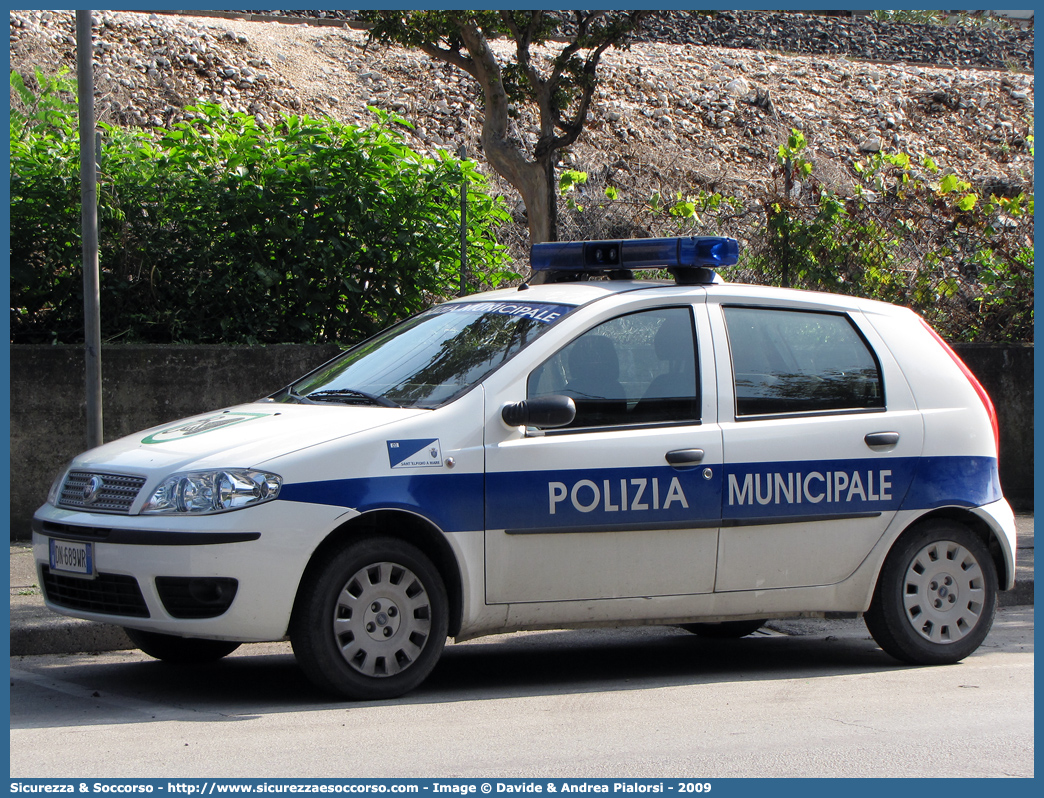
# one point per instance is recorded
(961, 259)
(220, 230)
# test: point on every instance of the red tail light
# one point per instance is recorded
(985, 397)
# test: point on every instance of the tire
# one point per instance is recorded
(371, 623)
(726, 630)
(936, 597)
(180, 650)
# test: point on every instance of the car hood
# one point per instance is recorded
(237, 437)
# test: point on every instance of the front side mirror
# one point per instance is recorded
(542, 412)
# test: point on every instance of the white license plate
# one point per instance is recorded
(72, 557)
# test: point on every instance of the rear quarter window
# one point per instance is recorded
(787, 361)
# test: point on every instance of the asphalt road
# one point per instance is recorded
(808, 698)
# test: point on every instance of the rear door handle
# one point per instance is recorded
(680, 458)
(882, 439)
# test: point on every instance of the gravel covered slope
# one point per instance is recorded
(678, 112)
(994, 47)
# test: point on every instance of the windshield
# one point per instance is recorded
(429, 359)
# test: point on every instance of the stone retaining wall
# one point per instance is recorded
(142, 386)
(148, 385)
(1006, 371)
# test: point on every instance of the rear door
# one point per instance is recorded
(821, 435)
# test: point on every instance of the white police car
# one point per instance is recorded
(573, 452)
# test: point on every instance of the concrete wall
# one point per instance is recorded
(148, 385)
(1006, 372)
(142, 386)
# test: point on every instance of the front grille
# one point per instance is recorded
(110, 594)
(99, 493)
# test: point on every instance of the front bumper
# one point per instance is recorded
(264, 549)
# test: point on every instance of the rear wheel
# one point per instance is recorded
(936, 597)
(180, 650)
(372, 622)
(724, 630)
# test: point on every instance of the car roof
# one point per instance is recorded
(587, 291)
(578, 293)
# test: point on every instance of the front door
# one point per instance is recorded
(625, 502)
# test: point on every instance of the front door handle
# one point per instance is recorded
(882, 439)
(680, 458)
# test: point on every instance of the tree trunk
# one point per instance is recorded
(533, 179)
(536, 183)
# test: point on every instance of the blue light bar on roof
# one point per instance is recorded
(689, 252)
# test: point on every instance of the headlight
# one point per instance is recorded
(213, 491)
(56, 486)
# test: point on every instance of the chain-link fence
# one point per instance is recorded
(969, 273)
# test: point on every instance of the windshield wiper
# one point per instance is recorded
(348, 396)
(291, 396)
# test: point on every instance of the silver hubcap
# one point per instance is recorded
(944, 592)
(382, 619)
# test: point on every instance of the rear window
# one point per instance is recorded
(787, 361)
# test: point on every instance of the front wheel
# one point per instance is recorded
(180, 650)
(371, 623)
(936, 596)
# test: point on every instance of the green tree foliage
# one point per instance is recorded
(222, 231)
(558, 89)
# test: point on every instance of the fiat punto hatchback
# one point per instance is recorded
(584, 450)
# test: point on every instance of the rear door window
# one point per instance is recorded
(788, 361)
